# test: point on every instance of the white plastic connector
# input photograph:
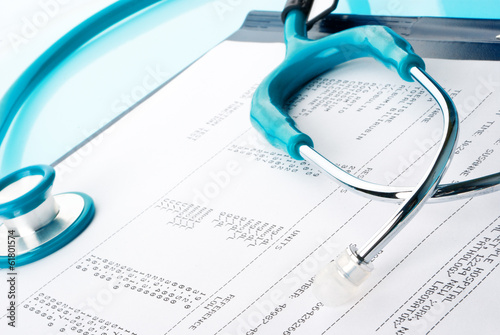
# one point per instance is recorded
(338, 281)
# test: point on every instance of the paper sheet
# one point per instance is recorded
(201, 227)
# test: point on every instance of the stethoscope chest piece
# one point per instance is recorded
(35, 223)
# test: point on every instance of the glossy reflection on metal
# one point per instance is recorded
(433, 175)
(442, 193)
(75, 214)
(71, 208)
(412, 199)
(397, 194)
(34, 223)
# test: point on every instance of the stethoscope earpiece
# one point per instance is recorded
(35, 223)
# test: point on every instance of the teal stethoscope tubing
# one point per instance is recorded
(34, 75)
(306, 59)
(76, 215)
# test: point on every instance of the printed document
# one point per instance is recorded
(202, 227)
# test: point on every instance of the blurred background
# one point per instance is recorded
(114, 72)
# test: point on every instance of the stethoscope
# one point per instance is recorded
(33, 222)
(41, 223)
(306, 59)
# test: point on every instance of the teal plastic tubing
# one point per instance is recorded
(306, 59)
(34, 75)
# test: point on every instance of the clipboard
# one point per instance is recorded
(172, 213)
(432, 37)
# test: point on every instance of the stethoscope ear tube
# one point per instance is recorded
(354, 265)
(306, 59)
(305, 6)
